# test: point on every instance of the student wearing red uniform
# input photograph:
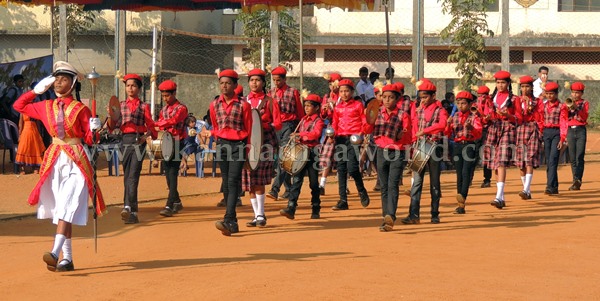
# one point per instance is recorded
(171, 119)
(134, 122)
(483, 100)
(555, 135)
(528, 135)
(66, 174)
(330, 100)
(501, 116)
(292, 111)
(391, 133)
(254, 181)
(309, 134)
(348, 119)
(428, 122)
(577, 133)
(466, 127)
(231, 120)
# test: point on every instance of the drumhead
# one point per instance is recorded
(372, 111)
(115, 108)
(167, 146)
(256, 140)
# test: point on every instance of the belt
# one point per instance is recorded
(220, 140)
(465, 142)
(577, 126)
(69, 141)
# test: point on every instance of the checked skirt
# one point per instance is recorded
(528, 145)
(263, 175)
(499, 145)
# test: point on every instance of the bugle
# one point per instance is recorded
(570, 103)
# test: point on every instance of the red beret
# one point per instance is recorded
(131, 76)
(465, 95)
(375, 90)
(258, 72)
(502, 75)
(239, 89)
(551, 86)
(228, 73)
(391, 87)
(426, 85)
(526, 80)
(279, 71)
(313, 98)
(346, 82)
(483, 90)
(334, 76)
(167, 85)
(577, 86)
(399, 85)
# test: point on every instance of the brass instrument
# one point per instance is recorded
(529, 103)
(475, 109)
(570, 104)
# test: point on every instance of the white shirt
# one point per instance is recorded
(537, 88)
(366, 89)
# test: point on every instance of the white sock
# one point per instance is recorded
(59, 240)
(528, 178)
(67, 250)
(523, 181)
(323, 182)
(260, 204)
(254, 206)
(500, 191)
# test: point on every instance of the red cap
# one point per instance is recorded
(502, 75)
(258, 72)
(334, 76)
(313, 98)
(577, 86)
(346, 82)
(167, 85)
(239, 89)
(375, 90)
(551, 86)
(228, 73)
(399, 85)
(483, 90)
(279, 71)
(426, 85)
(391, 87)
(131, 76)
(465, 95)
(526, 80)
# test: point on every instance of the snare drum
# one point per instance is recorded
(294, 158)
(422, 153)
(162, 148)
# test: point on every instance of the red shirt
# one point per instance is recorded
(536, 114)
(562, 119)
(130, 127)
(465, 134)
(299, 107)
(228, 133)
(349, 118)
(268, 118)
(499, 103)
(387, 142)
(435, 128)
(311, 138)
(579, 117)
(170, 125)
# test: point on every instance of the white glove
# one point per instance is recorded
(44, 85)
(95, 124)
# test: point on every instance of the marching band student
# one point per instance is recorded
(428, 122)
(466, 127)
(483, 100)
(292, 111)
(171, 119)
(66, 177)
(528, 134)
(555, 134)
(309, 134)
(348, 119)
(231, 120)
(254, 181)
(391, 133)
(327, 105)
(577, 133)
(502, 120)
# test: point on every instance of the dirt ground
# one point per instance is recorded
(543, 249)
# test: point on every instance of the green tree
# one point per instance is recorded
(466, 31)
(257, 25)
(79, 22)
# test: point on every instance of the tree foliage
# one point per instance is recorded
(257, 25)
(466, 31)
(79, 22)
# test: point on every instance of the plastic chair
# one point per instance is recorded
(10, 135)
(201, 156)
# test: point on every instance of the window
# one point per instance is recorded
(565, 57)
(378, 6)
(366, 55)
(578, 5)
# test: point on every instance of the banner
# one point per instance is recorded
(33, 70)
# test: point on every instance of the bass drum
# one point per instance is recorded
(256, 141)
(162, 148)
(422, 153)
(294, 158)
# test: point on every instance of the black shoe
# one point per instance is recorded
(238, 203)
(321, 190)
(435, 220)
(167, 212)
(460, 210)
(65, 265)
(549, 191)
(251, 223)
(408, 220)
(485, 184)
(498, 203)
(285, 195)
(177, 207)
(388, 224)
(132, 219)
(272, 195)
(341, 205)
(576, 185)
(525, 195)
(222, 203)
(261, 222)
(227, 228)
(288, 212)
(125, 213)
(377, 187)
(316, 212)
(364, 198)
(51, 261)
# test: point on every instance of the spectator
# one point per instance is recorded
(538, 84)
(364, 88)
(9, 96)
(373, 77)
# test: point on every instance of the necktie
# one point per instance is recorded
(60, 120)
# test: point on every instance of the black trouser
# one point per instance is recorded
(346, 155)
(551, 141)
(133, 157)
(576, 139)
(312, 169)
(465, 160)
(171, 173)
(282, 177)
(434, 187)
(390, 165)
(487, 173)
(231, 156)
